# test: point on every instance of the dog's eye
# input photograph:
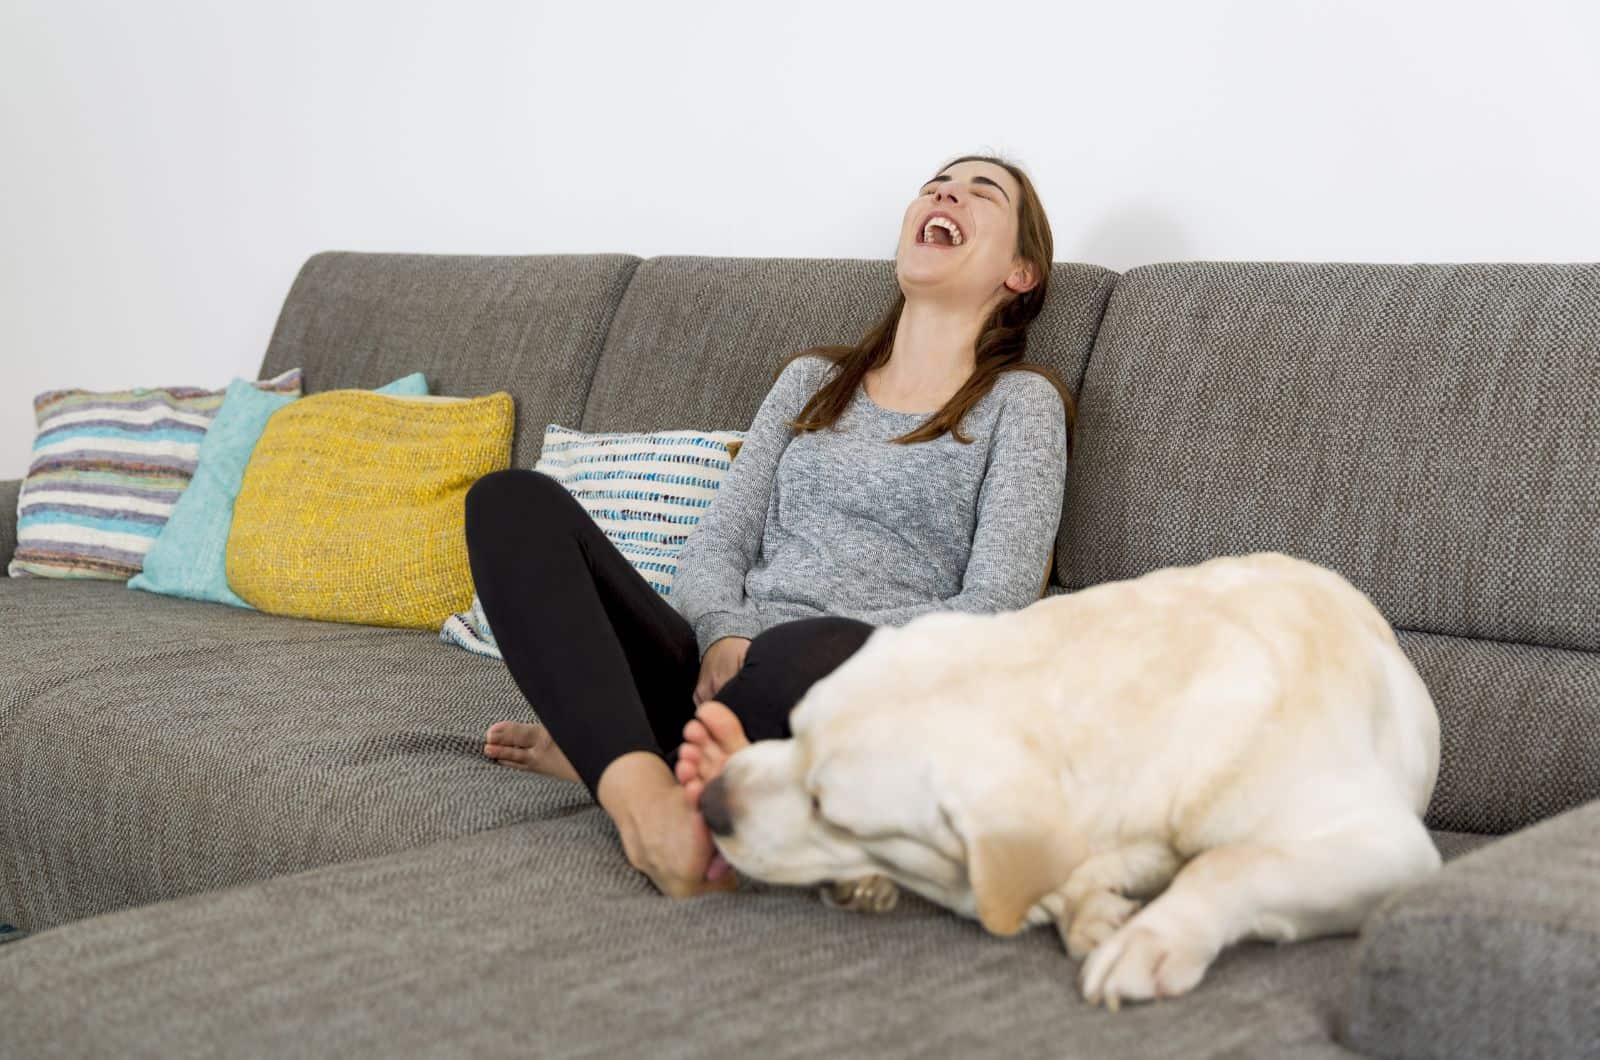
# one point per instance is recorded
(816, 805)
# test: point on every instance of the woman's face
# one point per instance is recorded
(980, 200)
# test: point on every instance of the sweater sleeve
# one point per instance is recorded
(708, 588)
(1019, 511)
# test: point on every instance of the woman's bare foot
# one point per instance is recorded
(524, 746)
(664, 837)
(712, 736)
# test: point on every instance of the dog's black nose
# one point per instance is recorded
(714, 807)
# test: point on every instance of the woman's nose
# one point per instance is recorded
(946, 192)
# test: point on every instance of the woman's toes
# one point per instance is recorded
(723, 724)
(696, 733)
(711, 762)
(513, 733)
(509, 756)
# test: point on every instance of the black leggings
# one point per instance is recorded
(606, 663)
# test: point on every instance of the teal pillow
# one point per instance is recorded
(189, 557)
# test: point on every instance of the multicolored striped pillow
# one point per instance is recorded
(646, 492)
(107, 468)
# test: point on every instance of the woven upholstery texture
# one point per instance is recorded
(1519, 730)
(530, 325)
(1525, 910)
(539, 940)
(1428, 431)
(352, 507)
(152, 746)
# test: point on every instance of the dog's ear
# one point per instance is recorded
(1017, 850)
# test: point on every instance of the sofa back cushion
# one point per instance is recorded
(530, 325)
(696, 339)
(1427, 430)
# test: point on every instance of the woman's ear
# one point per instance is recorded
(1018, 850)
(1023, 278)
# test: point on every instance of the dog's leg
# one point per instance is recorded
(1099, 896)
(1279, 891)
(868, 894)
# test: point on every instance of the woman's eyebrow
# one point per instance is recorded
(975, 180)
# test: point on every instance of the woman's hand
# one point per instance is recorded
(723, 660)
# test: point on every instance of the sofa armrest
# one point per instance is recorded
(1496, 955)
(8, 520)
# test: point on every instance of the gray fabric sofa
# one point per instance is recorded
(224, 833)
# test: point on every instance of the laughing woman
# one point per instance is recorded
(920, 470)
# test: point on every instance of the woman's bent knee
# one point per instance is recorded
(824, 639)
(512, 493)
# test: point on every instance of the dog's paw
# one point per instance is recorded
(1141, 961)
(869, 894)
(1096, 919)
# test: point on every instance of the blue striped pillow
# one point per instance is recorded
(107, 468)
(646, 492)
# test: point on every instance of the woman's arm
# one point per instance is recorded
(1019, 511)
(708, 588)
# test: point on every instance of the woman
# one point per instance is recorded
(926, 474)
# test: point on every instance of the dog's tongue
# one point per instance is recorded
(718, 867)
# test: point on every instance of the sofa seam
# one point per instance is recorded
(624, 282)
(1497, 640)
(1109, 282)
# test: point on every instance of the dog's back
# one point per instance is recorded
(1215, 697)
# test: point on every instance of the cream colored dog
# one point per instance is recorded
(1243, 737)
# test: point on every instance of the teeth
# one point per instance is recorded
(945, 223)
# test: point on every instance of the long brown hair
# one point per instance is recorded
(1001, 343)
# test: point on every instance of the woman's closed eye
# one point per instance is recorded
(975, 195)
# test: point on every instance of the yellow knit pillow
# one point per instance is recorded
(353, 506)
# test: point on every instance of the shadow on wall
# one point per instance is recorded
(1134, 233)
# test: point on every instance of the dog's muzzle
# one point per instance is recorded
(714, 807)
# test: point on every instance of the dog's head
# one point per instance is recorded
(904, 762)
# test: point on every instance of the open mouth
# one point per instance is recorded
(940, 231)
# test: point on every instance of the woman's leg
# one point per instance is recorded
(781, 663)
(605, 662)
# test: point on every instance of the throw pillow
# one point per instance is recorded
(189, 557)
(351, 508)
(646, 492)
(107, 469)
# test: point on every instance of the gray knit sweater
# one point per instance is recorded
(841, 522)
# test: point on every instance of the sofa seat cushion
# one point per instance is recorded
(152, 747)
(1519, 926)
(537, 939)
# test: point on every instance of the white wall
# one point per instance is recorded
(168, 165)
